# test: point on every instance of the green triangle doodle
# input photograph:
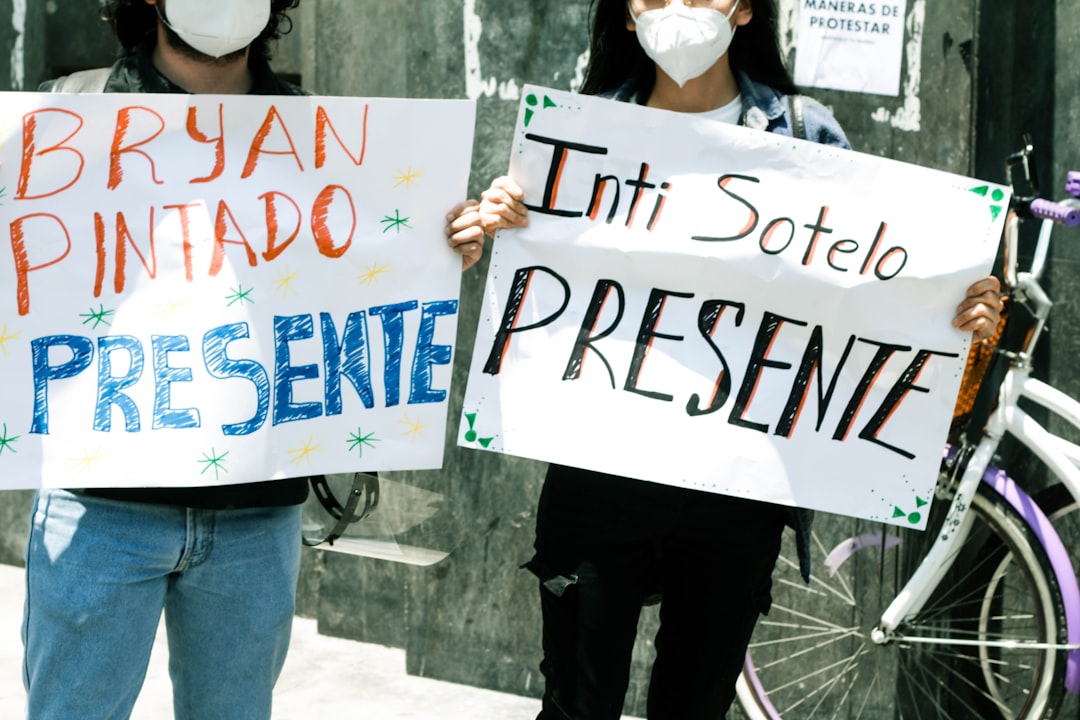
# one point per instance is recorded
(919, 502)
(982, 190)
(548, 102)
(486, 441)
(898, 513)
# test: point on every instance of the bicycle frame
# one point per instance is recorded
(1059, 454)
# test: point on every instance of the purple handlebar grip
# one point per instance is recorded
(1048, 210)
(1072, 183)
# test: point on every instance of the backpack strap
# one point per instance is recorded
(798, 127)
(83, 81)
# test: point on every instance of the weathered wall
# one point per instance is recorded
(1063, 89)
(21, 45)
(977, 74)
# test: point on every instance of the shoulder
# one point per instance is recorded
(821, 126)
(265, 81)
(83, 81)
(627, 92)
(288, 88)
(766, 108)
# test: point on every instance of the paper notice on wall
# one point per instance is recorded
(850, 45)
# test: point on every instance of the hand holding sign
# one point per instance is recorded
(240, 288)
(740, 320)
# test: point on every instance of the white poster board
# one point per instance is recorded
(202, 290)
(851, 45)
(704, 305)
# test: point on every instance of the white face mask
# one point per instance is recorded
(216, 27)
(684, 41)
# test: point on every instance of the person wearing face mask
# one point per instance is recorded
(606, 544)
(222, 562)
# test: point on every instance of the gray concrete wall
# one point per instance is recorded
(1063, 87)
(986, 73)
(21, 48)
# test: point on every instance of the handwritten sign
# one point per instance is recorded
(704, 305)
(852, 45)
(221, 289)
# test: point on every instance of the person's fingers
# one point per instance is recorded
(470, 245)
(502, 206)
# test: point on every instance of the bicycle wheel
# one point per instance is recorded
(812, 656)
(1064, 511)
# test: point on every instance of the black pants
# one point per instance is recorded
(605, 545)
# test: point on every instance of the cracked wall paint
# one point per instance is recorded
(18, 21)
(579, 71)
(788, 26)
(476, 85)
(909, 116)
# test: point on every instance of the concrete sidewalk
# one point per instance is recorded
(323, 678)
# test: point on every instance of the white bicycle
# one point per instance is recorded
(978, 617)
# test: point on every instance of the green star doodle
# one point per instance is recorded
(532, 101)
(7, 442)
(215, 461)
(915, 517)
(997, 196)
(240, 295)
(358, 440)
(396, 222)
(3, 192)
(471, 435)
(97, 317)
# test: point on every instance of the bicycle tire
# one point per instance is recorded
(1064, 512)
(812, 657)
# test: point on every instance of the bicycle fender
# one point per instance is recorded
(1007, 488)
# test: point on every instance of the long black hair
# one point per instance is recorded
(134, 21)
(616, 58)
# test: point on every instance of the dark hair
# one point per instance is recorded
(616, 58)
(134, 21)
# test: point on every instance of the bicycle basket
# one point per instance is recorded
(978, 361)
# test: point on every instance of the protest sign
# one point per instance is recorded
(709, 306)
(203, 290)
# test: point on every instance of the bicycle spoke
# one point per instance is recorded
(950, 690)
(848, 593)
(866, 697)
(918, 703)
(832, 635)
(849, 666)
(815, 648)
(853, 670)
(818, 586)
(818, 621)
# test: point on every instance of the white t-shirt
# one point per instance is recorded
(729, 113)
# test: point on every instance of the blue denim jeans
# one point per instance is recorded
(100, 572)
